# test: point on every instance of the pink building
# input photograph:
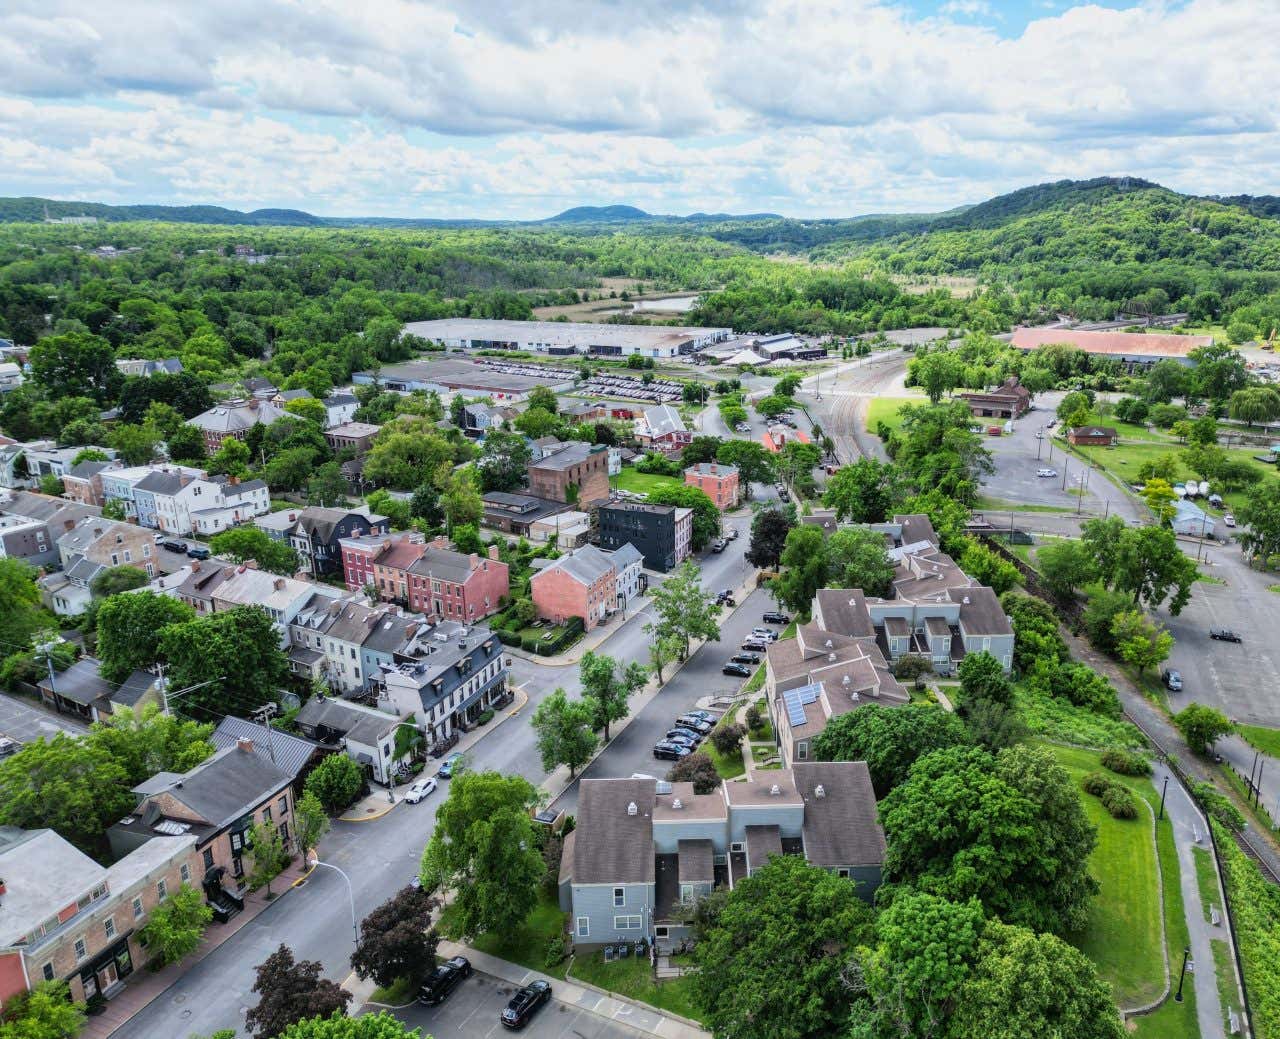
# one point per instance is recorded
(580, 584)
(454, 586)
(718, 482)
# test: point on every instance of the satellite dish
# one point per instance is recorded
(290, 701)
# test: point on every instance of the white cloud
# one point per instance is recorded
(516, 109)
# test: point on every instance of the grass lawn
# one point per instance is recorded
(885, 409)
(527, 944)
(642, 483)
(1225, 968)
(764, 732)
(730, 767)
(756, 682)
(1206, 880)
(1265, 740)
(395, 995)
(984, 502)
(634, 978)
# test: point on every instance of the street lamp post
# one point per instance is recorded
(1163, 790)
(1186, 953)
(355, 931)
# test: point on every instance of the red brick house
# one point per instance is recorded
(580, 584)
(1007, 401)
(577, 473)
(718, 482)
(453, 586)
(1093, 436)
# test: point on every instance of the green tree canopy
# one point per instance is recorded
(864, 492)
(147, 741)
(706, 516)
(246, 542)
(1201, 726)
(291, 991)
(565, 732)
(683, 608)
(237, 651)
(176, 926)
(769, 530)
(889, 739)
(607, 687)
(804, 569)
(129, 628)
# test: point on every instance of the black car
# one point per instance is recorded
(774, 617)
(175, 546)
(666, 750)
(443, 980)
(753, 646)
(692, 721)
(675, 736)
(745, 658)
(1224, 635)
(737, 670)
(525, 1002)
(1172, 678)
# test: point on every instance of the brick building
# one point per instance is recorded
(580, 584)
(1007, 401)
(718, 482)
(578, 474)
(232, 419)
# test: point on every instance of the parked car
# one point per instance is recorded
(698, 725)
(1039, 434)
(774, 617)
(450, 765)
(687, 731)
(1224, 635)
(8, 746)
(737, 670)
(718, 545)
(666, 750)
(198, 552)
(680, 739)
(706, 716)
(1171, 677)
(175, 546)
(1046, 472)
(767, 634)
(525, 1002)
(746, 658)
(443, 980)
(725, 598)
(1215, 500)
(419, 790)
(731, 534)
(753, 645)
(1228, 520)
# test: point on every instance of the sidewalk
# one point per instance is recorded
(376, 803)
(142, 986)
(633, 1014)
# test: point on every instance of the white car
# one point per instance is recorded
(1046, 472)
(1229, 520)
(419, 790)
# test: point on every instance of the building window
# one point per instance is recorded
(619, 897)
(660, 932)
(48, 972)
(208, 858)
(842, 873)
(737, 846)
(584, 927)
(137, 908)
(266, 814)
(162, 890)
(802, 750)
(626, 923)
(185, 873)
(283, 806)
(81, 952)
(109, 926)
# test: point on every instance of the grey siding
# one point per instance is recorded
(595, 901)
(667, 835)
(788, 818)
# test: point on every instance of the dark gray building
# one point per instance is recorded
(663, 534)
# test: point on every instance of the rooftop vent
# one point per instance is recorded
(846, 681)
(819, 791)
(632, 809)
(966, 600)
(831, 656)
(829, 643)
(676, 803)
(775, 790)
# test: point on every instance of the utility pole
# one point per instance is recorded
(263, 716)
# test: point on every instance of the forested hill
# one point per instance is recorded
(33, 210)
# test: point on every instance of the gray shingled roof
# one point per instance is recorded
(355, 724)
(160, 482)
(585, 565)
(840, 827)
(625, 555)
(442, 563)
(228, 785)
(613, 846)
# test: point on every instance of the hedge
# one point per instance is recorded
(1125, 763)
(1255, 913)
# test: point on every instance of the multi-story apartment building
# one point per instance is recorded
(316, 533)
(83, 482)
(577, 474)
(662, 533)
(718, 482)
(232, 419)
(583, 583)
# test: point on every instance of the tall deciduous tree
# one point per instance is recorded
(76, 365)
(804, 569)
(1139, 641)
(311, 822)
(706, 516)
(503, 461)
(148, 741)
(863, 492)
(889, 739)
(268, 856)
(241, 543)
(684, 609)
(769, 529)
(608, 687)
(1260, 518)
(237, 651)
(565, 731)
(381, 1025)
(176, 926)
(856, 558)
(1201, 725)
(485, 849)
(129, 628)
(46, 1012)
(397, 940)
(461, 500)
(754, 462)
(21, 616)
(291, 991)
(335, 782)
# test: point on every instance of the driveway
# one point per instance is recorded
(23, 721)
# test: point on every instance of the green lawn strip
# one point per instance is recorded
(1204, 578)
(984, 502)
(1123, 935)
(527, 944)
(1263, 739)
(1206, 880)
(756, 681)
(885, 409)
(643, 483)
(1225, 969)
(1244, 801)
(1274, 588)
(633, 977)
(728, 767)
(394, 995)
(1255, 915)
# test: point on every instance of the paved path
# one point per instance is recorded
(26, 720)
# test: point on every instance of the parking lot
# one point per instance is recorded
(471, 1012)
(22, 721)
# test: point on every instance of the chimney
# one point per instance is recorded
(195, 566)
(278, 584)
(819, 791)
(69, 524)
(493, 551)
(245, 745)
(473, 561)
(233, 480)
(632, 809)
(293, 517)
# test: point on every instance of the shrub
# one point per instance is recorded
(1126, 763)
(1218, 805)
(911, 666)
(336, 782)
(727, 739)
(1120, 802)
(1096, 783)
(486, 716)
(697, 769)
(754, 717)
(555, 951)
(508, 638)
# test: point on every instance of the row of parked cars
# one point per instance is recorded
(452, 973)
(196, 551)
(683, 738)
(740, 664)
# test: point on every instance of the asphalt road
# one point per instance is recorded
(24, 722)
(472, 1011)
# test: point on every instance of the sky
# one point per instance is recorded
(517, 109)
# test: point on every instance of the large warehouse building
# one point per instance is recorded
(506, 382)
(1130, 348)
(567, 337)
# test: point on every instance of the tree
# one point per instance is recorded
(857, 558)
(754, 462)
(310, 409)
(773, 952)
(404, 454)
(537, 422)
(1201, 725)
(1139, 641)
(684, 610)
(396, 510)
(136, 445)
(117, 579)
(335, 782)
(485, 850)
(76, 365)
(397, 940)
(425, 505)
(46, 1012)
(186, 445)
(864, 492)
(291, 991)
(1065, 566)
(987, 567)
(545, 398)
(1007, 829)
(503, 461)
(769, 529)
(1035, 630)
(1025, 984)
(1165, 380)
(1260, 518)
(231, 459)
(466, 539)
(701, 449)
(22, 616)
(661, 652)
(129, 628)
(1203, 431)
(1071, 404)
(804, 569)
(237, 651)
(888, 739)
(1204, 460)
(311, 822)
(936, 372)
(328, 487)
(607, 689)
(247, 542)
(983, 678)
(66, 784)
(1255, 404)
(1100, 610)
(461, 502)
(565, 731)
(696, 768)
(706, 516)
(727, 739)
(268, 856)
(147, 741)
(1151, 567)
(381, 1025)
(176, 926)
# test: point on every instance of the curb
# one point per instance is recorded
(638, 1004)
(371, 817)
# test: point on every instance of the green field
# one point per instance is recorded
(527, 944)
(1263, 739)
(885, 409)
(634, 978)
(643, 483)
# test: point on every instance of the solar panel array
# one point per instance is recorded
(795, 700)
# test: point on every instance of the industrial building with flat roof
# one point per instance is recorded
(506, 383)
(568, 337)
